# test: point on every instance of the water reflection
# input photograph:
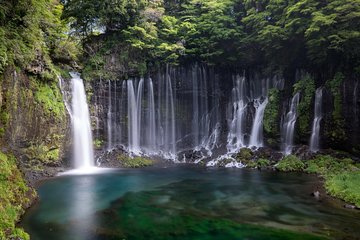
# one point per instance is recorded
(83, 197)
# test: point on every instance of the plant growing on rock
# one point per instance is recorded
(290, 163)
(135, 162)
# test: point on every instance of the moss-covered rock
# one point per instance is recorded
(15, 195)
(49, 96)
(335, 127)
(306, 86)
(135, 162)
(33, 118)
(259, 163)
(244, 155)
(98, 143)
(271, 114)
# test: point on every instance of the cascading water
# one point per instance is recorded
(151, 122)
(288, 127)
(133, 118)
(109, 119)
(180, 111)
(236, 128)
(256, 137)
(170, 138)
(315, 133)
(83, 148)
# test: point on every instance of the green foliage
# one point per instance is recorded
(290, 163)
(14, 195)
(135, 162)
(306, 86)
(33, 31)
(271, 114)
(280, 35)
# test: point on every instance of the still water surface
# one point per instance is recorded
(186, 203)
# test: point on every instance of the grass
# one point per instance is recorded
(345, 186)
(14, 195)
(135, 162)
(341, 176)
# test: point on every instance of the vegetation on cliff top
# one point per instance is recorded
(308, 34)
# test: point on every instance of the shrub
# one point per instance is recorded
(290, 163)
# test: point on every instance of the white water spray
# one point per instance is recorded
(315, 133)
(289, 125)
(256, 137)
(83, 149)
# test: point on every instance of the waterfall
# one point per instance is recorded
(195, 96)
(288, 127)
(236, 129)
(83, 148)
(170, 141)
(109, 119)
(151, 122)
(256, 137)
(133, 119)
(181, 110)
(315, 133)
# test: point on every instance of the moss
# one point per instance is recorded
(244, 155)
(43, 153)
(335, 130)
(98, 143)
(289, 164)
(14, 196)
(260, 163)
(50, 98)
(271, 121)
(135, 162)
(307, 88)
(4, 117)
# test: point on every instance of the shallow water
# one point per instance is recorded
(187, 203)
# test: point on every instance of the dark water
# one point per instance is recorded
(186, 203)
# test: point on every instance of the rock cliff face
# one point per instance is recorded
(34, 122)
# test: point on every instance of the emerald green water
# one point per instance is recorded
(186, 203)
